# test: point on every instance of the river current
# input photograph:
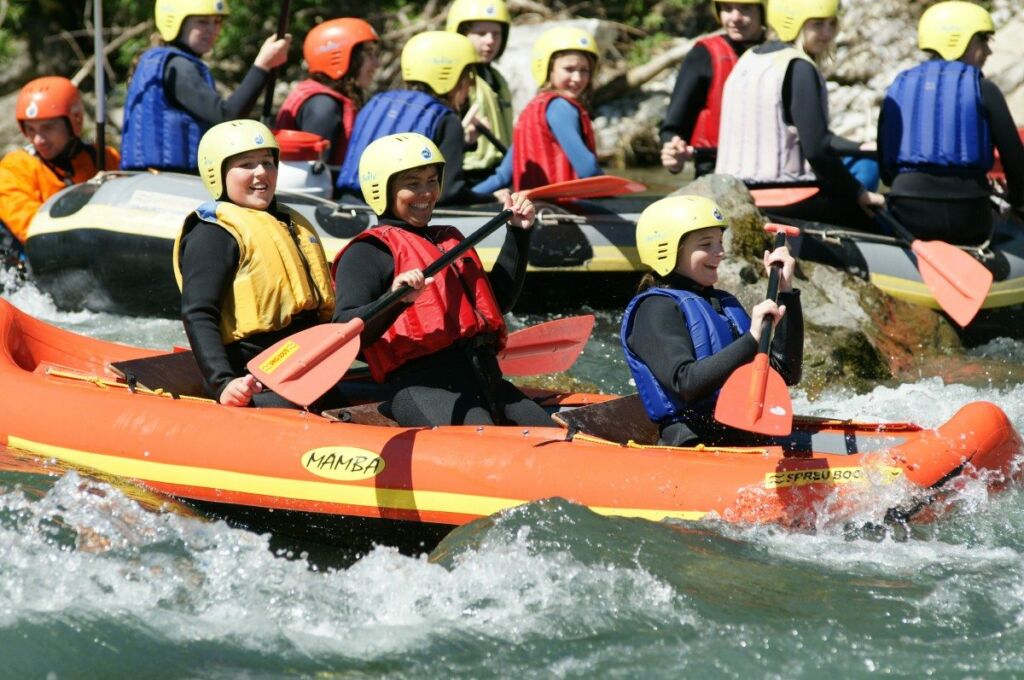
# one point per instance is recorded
(95, 583)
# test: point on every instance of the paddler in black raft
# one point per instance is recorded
(683, 337)
(438, 350)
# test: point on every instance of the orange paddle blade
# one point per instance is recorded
(586, 187)
(958, 282)
(776, 197)
(285, 366)
(755, 398)
(548, 347)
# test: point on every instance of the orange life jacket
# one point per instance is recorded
(723, 58)
(287, 117)
(538, 158)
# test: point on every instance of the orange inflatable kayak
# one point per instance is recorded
(361, 474)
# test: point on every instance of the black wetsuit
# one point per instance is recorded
(662, 341)
(956, 208)
(836, 203)
(185, 87)
(444, 387)
(689, 98)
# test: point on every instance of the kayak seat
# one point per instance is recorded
(361, 414)
(619, 420)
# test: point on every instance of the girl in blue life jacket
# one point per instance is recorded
(939, 123)
(683, 337)
(249, 273)
(172, 99)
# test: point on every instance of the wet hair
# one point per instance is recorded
(347, 84)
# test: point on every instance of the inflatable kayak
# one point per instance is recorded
(354, 475)
(106, 244)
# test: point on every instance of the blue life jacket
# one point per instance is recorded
(710, 332)
(935, 122)
(158, 134)
(388, 113)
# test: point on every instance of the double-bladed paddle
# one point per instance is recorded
(957, 281)
(268, 95)
(586, 187)
(549, 347)
(755, 397)
(305, 365)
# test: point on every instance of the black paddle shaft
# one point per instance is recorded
(268, 95)
(901, 232)
(440, 263)
(492, 138)
(773, 294)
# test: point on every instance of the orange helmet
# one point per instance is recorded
(328, 47)
(50, 97)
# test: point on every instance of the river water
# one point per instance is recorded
(94, 584)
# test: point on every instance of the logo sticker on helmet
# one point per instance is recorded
(717, 214)
(258, 139)
(426, 154)
(32, 110)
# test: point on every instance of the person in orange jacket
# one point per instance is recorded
(49, 112)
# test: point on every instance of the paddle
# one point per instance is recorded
(777, 197)
(549, 347)
(755, 397)
(99, 64)
(957, 281)
(586, 187)
(268, 95)
(303, 366)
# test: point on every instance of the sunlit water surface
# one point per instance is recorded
(93, 584)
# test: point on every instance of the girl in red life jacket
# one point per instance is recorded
(342, 58)
(553, 140)
(437, 352)
(690, 128)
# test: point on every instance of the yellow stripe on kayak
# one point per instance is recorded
(1002, 293)
(347, 494)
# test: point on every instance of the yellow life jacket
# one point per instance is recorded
(282, 269)
(496, 107)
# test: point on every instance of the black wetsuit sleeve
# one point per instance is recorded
(787, 349)
(208, 259)
(186, 87)
(449, 139)
(509, 270)
(661, 340)
(801, 91)
(321, 114)
(1006, 139)
(689, 95)
(364, 274)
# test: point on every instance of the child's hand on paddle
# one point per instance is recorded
(415, 280)
(522, 209)
(239, 392)
(763, 309)
(784, 258)
(273, 52)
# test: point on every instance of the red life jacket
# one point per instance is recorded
(538, 158)
(287, 117)
(458, 304)
(723, 58)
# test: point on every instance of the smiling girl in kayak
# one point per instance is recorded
(774, 125)
(249, 274)
(935, 157)
(438, 351)
(341, 55)
(553, 134)
(690, 128)
(437, 68)
(172, 99)
(683, 337)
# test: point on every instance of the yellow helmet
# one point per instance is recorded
(787, 17)
(387, 156)
(716, 3)
(437, 58)
(228, 139)
(171, 13)
(947, 27)
(464, 11)
(663, 224)
(560, 39)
